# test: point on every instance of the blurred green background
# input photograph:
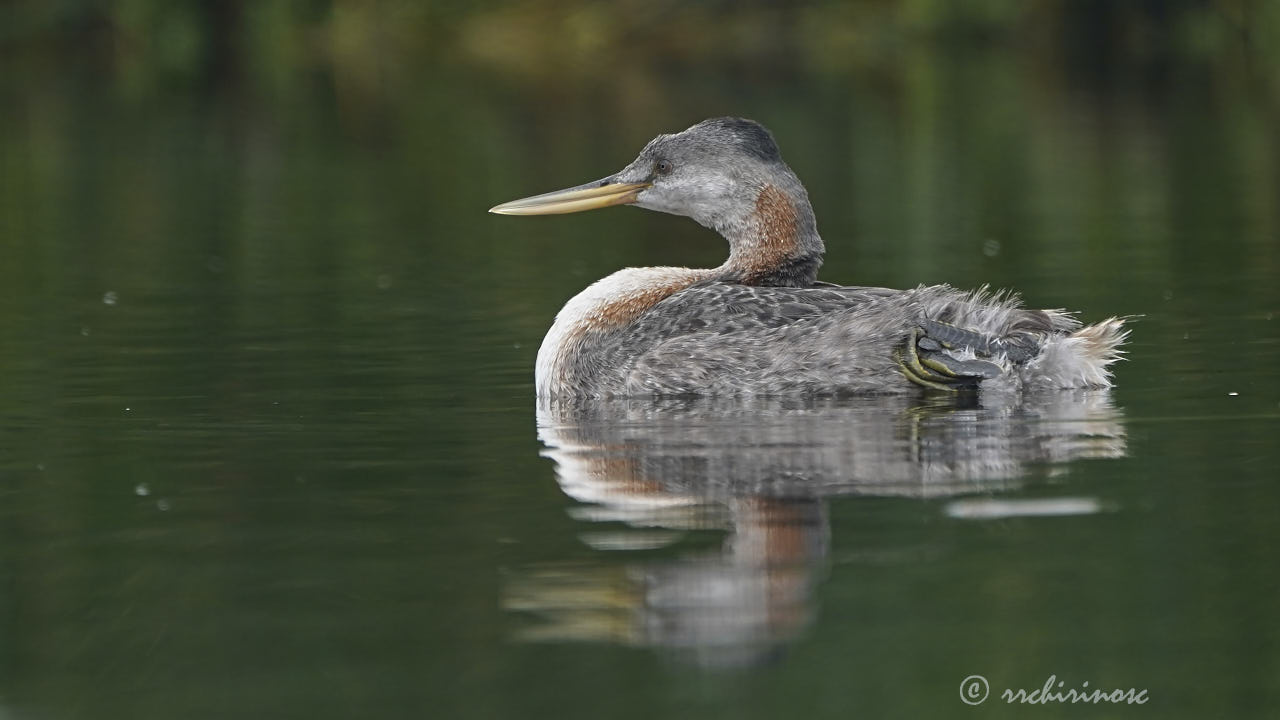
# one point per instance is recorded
(267, 437)
(938, 126)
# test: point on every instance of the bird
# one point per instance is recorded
(762, 323)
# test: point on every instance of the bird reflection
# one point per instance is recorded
(651, 474)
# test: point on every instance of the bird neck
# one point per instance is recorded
(775, 243)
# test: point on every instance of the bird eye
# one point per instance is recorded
(663, 167)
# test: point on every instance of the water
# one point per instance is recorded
(268, 445)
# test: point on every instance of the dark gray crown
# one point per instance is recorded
(748, 136)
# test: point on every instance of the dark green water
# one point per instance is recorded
(268, 446)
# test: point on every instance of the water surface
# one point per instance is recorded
(268, 445)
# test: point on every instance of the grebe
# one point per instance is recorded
(762, 322)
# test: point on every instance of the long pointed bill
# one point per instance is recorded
(575, 199)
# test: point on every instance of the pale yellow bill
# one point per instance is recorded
(572, 200)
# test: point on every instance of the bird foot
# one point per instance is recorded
(926, 362)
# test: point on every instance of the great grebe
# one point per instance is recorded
(762, 322)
